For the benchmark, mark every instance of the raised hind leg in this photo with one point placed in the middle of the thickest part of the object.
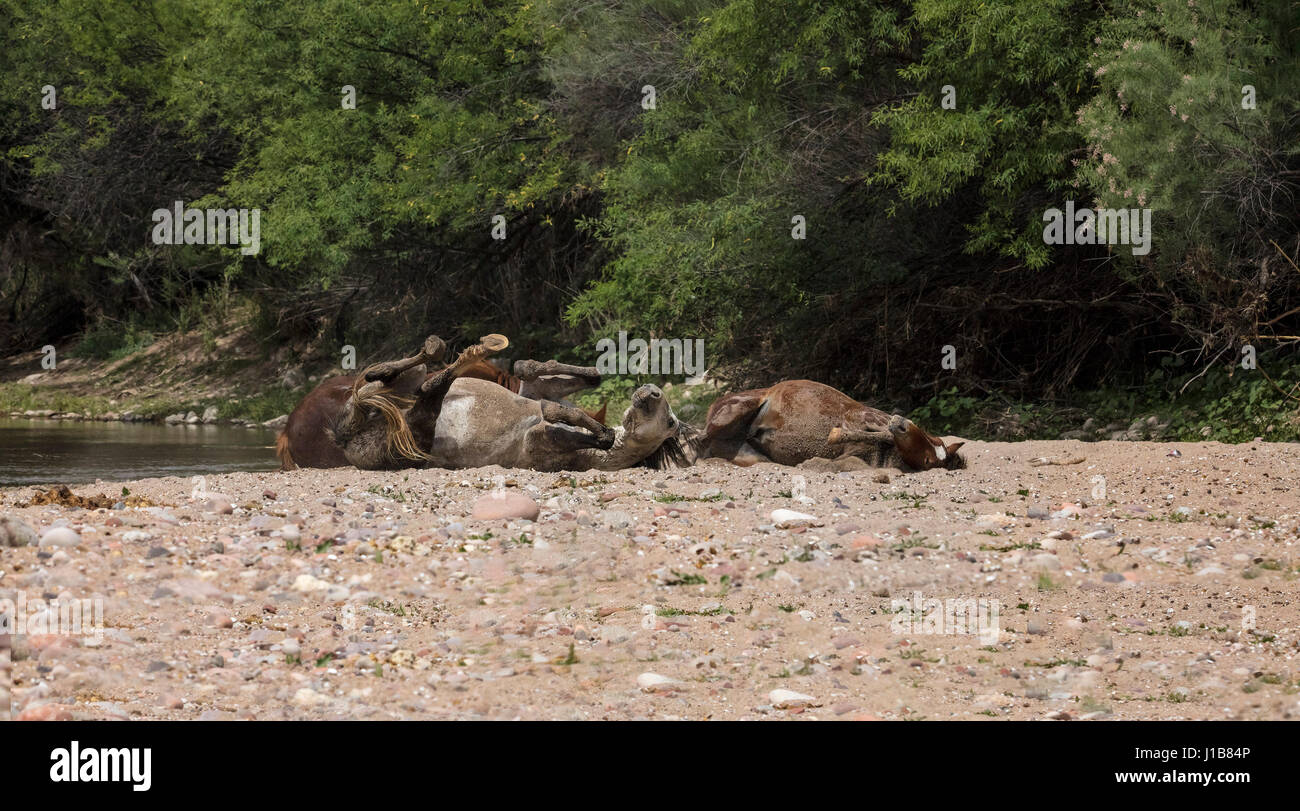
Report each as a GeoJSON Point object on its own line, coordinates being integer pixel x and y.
{"type": "Point", "coordinates": [423, 415]}
{"type": "Point", "coordinates": [729, 422]}
{"type": "Point", "coordinates": [387, 372]}
{"type": "Point", "coordinates": [552, 380]}
{"type": "Point", "coordinates": [532, 369]}
{"type": "Point", "coordinates": [554, 412]}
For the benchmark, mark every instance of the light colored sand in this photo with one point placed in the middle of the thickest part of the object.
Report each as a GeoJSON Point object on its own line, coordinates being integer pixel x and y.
{"type": "Point", "coordinates": [423, 621]}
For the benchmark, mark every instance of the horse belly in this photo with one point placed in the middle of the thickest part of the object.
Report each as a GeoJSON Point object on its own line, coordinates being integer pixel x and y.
{"type": "Point", "coordinates": [798, 437]}
{"type": "Point", "coordinates": [464, 438]}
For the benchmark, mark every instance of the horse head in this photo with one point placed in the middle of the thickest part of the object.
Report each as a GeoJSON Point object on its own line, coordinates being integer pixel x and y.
{"type": "Point", "coordinates": [653, 433]}
{"type": "Point", "coordinates": [921, 450]}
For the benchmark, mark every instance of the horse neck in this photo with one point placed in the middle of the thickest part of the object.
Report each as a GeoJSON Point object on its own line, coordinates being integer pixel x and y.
{"type": "Point", "coordinates": [872, 419]}
{"type": "Point", "coordinates": [620, 455]}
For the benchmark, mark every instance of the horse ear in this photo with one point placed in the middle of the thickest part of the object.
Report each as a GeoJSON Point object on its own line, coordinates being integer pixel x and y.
{"type": "Point", "coordinates": [952, 448]}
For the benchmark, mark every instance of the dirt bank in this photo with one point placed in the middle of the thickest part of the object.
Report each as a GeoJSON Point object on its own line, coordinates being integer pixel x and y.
{"type": "Point", "coordinates": [376, 595]}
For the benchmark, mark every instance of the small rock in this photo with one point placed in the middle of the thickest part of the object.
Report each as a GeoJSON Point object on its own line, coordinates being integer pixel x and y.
{"type": "Point", "coordinates": [789, 699]}
{"type": "Point", "coordinates": [218, 504]}
{"type": "Point", "coordinates": [60, 536]}
{"type": "Point", "coordinates": [45, 712]}
{"type": "Point", "coordinates": [503, 504]}
{"type": "Point", "coordinates": [1046, 562]}
{"type": "Point", "coordinates": [789, 518]}
{"type": "Point", "coordinates": [654, 683]}
{"type": "Point", "coordinates": [310, 585]}
{"type": "Point", "coordinates": [307, 697]}
{"type": "Point", "coordinates": [14, 532]}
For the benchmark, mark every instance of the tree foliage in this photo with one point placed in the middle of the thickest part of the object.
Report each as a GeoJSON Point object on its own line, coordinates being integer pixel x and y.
{"type": "Point", "coordinates": [923, 223]}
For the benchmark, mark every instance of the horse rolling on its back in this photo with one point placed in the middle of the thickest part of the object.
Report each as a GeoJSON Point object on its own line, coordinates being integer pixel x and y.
{"type": "Point", "coordinates": [397, 415]}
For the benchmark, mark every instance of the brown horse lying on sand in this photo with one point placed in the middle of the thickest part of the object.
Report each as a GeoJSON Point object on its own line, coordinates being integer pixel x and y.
{"type": "Point", "coordinates": [388, 416]}
{"type": "Point", "coordinates": [797, 420]}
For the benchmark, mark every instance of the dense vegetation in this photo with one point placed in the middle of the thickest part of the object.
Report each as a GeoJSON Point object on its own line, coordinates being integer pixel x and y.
{"type": "Point", "coordinates": [924, 224]}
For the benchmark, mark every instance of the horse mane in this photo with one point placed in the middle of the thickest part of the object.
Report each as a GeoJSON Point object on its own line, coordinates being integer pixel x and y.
{"type": "Point", "coordinates": [672, 451]}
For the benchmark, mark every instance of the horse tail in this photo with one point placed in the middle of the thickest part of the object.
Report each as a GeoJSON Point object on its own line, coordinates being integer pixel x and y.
{"type": "Point", "coordinates": [282, 452]}
{"type": "Point", "coordinates": [397, 435]}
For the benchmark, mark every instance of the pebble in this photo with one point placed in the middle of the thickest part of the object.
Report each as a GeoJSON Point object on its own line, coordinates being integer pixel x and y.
{"type": "Point", "coordinates": [163, 515]}
{"type": "Point", "coordinates": [1046, 562]}
{"type": "Point", "coordinates": [655, 683]}
{"type": "Point", "coordinates": [784, 519]}
{"type": "Point", "coordinates": [788, 699]}
{"type": "Point", "coordinates": [15, 532]}
{"type": "Point", "coordinates": [995, 520]}
{"type": "Point", "coordinates": [309, 584]}
{"type": "Point", "coordinates": [307, 697]}
{"type": "Point", "coordinates": [220, 619]}
{"type": "Point", "coordinates": [218, 504]}
{"type": "Point", "coordinates": [60, 536]}
{"type": "Point", "coordinates": [505, 505]}
{"type": "Point", "coordinates": [45, 712]}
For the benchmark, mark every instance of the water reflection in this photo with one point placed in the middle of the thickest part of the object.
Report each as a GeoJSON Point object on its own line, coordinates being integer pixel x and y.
{"type": "Point", "coordinates": [59, 452]}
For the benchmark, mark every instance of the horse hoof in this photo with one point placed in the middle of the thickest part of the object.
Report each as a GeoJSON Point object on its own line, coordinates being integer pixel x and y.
{"type": "Point", "coordinates": [494, 342]}
{"type": "Point", "coordinates": [434, 348]}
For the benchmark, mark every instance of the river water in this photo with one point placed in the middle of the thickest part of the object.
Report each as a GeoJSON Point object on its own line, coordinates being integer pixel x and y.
{"type": "Point", "coordinates": [66, 452]}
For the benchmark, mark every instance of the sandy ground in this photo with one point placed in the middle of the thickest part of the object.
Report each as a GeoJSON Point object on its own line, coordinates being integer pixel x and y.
{"type": "Point", "coordinates": [648, 594]}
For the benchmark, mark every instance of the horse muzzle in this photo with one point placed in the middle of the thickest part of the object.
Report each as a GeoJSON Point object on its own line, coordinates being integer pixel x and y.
{"type": "Point", "coordinates": [647, 397]}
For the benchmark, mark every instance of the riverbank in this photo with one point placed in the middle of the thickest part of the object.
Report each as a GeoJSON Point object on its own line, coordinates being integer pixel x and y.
{"type": "Point", "coordinates": [1131, 580]}
{"type": "Point", "coordinates": [183, 377]}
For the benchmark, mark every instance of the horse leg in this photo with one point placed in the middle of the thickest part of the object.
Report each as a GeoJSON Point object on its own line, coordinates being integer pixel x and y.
{"type": "Point", "coordinates": [553, 380]}
{"type": "Point", "coordinates": [841, 435]}
{"type": "Point", "coordinates": [737, 451]}
{"type": "Point", "coordinates": [387, 372]}
{"type": "Point", "coordinates": [877, 448]}
{"type": "Point", "coordinates": [554, 412]}
{"type": "Point", "coordinates": [552, 387]}
{"type": "Point", "coordinates": [729, 423]}
{"type": "Point", "coordinates": [563, 438]}
{"type": "Point", "coordinates": [423, 414]}
{"type": "Point", "coordinates": [532, 369]}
